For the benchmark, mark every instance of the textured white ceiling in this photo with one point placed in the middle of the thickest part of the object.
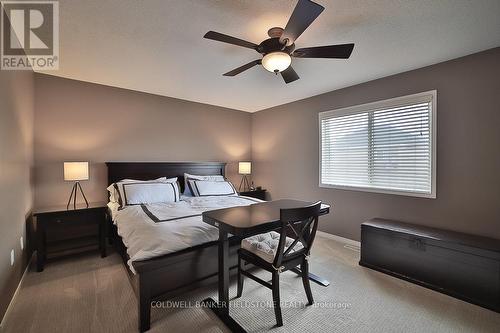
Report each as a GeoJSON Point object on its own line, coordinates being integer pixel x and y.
{"type": "Point", "coordinates": [156, 46]}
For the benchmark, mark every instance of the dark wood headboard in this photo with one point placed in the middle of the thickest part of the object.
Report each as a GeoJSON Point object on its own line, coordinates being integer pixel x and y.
{"type": "Point", "coordinates": [151, 170]}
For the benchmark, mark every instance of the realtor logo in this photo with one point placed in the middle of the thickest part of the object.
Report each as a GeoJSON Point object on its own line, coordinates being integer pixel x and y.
{"type": "Point", "coordinates": [30, 35]}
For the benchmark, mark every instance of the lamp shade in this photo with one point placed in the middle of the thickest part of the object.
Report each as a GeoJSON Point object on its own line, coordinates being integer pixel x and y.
{"type": "Point", "coordinates": [276, 62]}
{"type": "Point", "coordinates": [76, 171]}
{"type": "Point", "coordinates": [245, 168]}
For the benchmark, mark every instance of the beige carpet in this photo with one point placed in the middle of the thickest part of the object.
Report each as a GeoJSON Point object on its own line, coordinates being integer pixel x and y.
{"type": "Point", "coordinates": [90, 294]}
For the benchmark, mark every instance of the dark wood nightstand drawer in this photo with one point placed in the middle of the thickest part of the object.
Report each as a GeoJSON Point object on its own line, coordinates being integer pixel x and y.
{"type": "Point", "coordinates": [69, 219]}
{"type": "Point", "coordinates": [258, 194]}
{"type": "Point", "coordinates": [70, 226]}
{"type": "Point", "coordinates": [72, 218]}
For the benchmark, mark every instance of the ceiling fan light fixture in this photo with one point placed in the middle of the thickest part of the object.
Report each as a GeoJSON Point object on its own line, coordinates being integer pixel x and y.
{"type": "Point", "coordinates": [276, 62]}
{"type": "Point", "coordinates": [277, 51]}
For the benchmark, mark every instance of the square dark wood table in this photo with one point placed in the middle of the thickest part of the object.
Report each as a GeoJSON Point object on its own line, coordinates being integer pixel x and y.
{"type": "Point", "coordinates": [244, 222]}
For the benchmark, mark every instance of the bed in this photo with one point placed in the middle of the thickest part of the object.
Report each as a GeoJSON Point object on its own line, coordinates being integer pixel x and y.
{"type": "Point", "coordinates": [159, 271]}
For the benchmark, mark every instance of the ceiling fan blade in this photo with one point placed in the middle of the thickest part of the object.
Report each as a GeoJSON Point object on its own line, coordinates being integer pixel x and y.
{"type": "Point", "coordinates": [341, 51]}
{"type": "Point", "coordinates": [289, 75]}
{"type": "Point", "coordinates": [228, 39]}
{"type": "Point", "coordinates": [303, 15]}
{"type": "Point", "coordinates": [243, 68]}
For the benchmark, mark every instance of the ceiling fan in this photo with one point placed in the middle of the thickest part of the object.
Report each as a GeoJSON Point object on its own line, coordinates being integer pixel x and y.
{"type": "Point", "coordinates": [278, 50]}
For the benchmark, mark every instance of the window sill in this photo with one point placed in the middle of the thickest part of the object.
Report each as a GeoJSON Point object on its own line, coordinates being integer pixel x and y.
{"type": "Point", "coordinates": [431, 195]}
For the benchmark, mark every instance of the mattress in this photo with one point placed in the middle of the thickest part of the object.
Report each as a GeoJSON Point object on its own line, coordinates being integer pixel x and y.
{"type": "Point", "coordinates": [153, 230]}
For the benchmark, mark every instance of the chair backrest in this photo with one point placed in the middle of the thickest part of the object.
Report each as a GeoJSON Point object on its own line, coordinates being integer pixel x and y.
{"type": "Point", "coordinates": [299, 224]}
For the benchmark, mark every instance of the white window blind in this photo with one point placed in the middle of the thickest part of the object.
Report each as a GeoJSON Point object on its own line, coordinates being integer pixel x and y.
{"type": "Point", "coordinates": [386, 146]}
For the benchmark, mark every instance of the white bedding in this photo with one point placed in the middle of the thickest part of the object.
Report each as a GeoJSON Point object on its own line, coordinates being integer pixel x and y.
{"type": "Point", "coordinates": [170, 227]}
{"type": "Point", "coordinates": [113, 208]}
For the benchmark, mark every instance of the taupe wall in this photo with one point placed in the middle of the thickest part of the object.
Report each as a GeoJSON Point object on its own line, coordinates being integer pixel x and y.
{"type": "Point", "coordinates": [16, 189]}
{"type": "Point", "coordinates": [285, 150]}
{"type": "Point", "coordinates": [84, 121]}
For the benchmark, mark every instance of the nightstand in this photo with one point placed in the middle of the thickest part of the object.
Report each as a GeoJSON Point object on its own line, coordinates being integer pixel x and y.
{"type": "Point", "coordinates": [61, 231]}
{"type": "Point", "coordinates": [258, 194]}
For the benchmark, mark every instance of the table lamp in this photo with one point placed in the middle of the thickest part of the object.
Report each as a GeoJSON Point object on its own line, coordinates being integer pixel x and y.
{"type": "Point", "coordinates": [244, 168]}
{"type": "Point", "coordinates": [76, 171]}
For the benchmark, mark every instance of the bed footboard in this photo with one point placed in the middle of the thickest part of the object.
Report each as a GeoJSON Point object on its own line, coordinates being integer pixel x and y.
{"type": "Point", "coordinates": [169, 276]}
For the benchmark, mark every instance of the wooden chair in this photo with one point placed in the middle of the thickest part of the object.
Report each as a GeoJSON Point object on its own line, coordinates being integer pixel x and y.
{"type": "Point", "coordinates": [281, 250]}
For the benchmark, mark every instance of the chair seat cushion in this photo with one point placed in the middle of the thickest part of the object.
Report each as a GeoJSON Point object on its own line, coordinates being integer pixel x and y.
{"type": "Point", "coordinates": [265, 245]}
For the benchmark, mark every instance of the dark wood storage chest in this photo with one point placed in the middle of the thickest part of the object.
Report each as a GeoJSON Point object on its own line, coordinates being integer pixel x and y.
{"type": "Point", "coordinates": [460, 265]}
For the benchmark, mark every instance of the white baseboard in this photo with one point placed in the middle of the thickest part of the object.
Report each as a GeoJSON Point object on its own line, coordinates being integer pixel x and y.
{"type": "Point", "coordinates": [339, 239]}
{"type": "Point", "coordinates": [15, 293]}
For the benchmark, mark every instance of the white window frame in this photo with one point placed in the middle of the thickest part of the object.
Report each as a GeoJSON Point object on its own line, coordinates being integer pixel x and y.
{"type": "Point", "coordinates": [428, 96]}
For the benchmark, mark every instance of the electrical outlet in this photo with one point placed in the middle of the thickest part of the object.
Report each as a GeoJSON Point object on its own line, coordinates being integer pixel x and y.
{"type": "Point", "coordinates": [21, 241]}
{"type": "Point", "coordinates": [12, 257]}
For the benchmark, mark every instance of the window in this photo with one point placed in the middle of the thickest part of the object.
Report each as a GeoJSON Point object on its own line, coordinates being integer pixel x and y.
{"type": "Point", "coordinates": [387, 146]}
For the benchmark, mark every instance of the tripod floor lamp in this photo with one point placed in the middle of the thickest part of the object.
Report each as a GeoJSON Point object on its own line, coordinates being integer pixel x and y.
{"type": "Point", "coordinates": [244, 168]}
{"type": "Point", "coordinates": [76, 171]}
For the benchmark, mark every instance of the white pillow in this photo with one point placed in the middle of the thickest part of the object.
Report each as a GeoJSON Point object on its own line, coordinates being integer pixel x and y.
{"type": "Point", "coordinates": [114, 195]}
{"type": "Point", "coordinates": [201, 188]}
{"type": "Point", "coordinates": [119, 194]}
{"type": "Point", "coordinates": [187, 191]}
{"type": "Point", "coordinates": [150, 192]}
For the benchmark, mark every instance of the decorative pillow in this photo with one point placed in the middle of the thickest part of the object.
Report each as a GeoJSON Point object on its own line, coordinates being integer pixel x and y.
{"type": "Point", "coordinates": [150, 192]}
{"type": "Point", "coordinates": [202, 188]}
{"type": "Point", "coordinates": [114, 195]}
{"type": "Point", "coordinates": [119, 187]}
{"type": "Point", "coordinates": [187, 176]}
